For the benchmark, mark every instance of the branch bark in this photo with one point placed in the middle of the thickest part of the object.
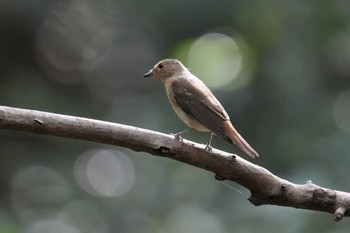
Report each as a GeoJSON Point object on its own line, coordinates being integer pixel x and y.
{"type": "Point", "coordinates": [265, 187]}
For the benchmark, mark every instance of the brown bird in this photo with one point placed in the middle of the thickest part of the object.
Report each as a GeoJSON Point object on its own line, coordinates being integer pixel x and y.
{"type": "Point", "coordinates": [195, 104]}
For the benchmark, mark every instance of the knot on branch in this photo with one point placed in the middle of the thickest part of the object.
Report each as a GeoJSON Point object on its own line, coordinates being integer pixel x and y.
{"type": "Point", "coordinates": [163, 151]}
{"type": "Point", "coordinates": [323, 197]}
{"type": "Point", "coordinates": [269, 196]}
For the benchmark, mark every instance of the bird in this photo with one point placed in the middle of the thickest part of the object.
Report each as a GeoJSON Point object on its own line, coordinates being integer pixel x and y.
{"type": "Point", "coordinates": [195, 104]}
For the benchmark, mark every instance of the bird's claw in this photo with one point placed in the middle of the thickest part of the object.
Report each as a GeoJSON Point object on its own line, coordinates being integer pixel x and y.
{"type": "Point", "coordinates": [208, 148]}
{"type": "Point", "coordinates": [177, 136]}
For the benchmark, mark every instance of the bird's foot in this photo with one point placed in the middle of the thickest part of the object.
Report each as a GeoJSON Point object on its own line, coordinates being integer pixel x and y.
{"type": "Point", "coordinates": [208, 148]}
{"type": "Point", "coordinates": [177, 136]}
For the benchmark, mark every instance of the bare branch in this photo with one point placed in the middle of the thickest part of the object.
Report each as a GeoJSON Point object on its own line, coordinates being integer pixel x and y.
{"type": "Point", "coordinates": [265, 187]}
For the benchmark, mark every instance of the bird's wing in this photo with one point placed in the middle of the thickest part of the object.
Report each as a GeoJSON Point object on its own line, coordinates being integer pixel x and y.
{"type": "Point", "coordinates": [196, 99]}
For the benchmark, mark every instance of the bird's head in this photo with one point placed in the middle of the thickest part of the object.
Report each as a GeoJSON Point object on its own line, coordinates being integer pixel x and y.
{"type": "Point", "coordinates": [166, 68]}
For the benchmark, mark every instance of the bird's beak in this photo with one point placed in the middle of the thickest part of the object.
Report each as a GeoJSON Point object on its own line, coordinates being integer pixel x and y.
{"type": "Point", "coordinates": [147, 75]}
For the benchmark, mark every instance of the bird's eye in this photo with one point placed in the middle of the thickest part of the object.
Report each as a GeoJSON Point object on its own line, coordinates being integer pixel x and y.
{"type": "Point", "coordinates": [160, 66]}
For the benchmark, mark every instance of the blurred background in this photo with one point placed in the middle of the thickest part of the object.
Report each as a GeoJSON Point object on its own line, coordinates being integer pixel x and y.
{"type": "Point", "coordinates": [280, 68]}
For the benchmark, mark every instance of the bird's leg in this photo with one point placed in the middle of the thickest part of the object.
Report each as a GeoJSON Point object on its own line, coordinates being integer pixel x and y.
{"type": "Point", "coordinates": [178, 135]}
{"type": "Point", "coordinates": [208, 146]}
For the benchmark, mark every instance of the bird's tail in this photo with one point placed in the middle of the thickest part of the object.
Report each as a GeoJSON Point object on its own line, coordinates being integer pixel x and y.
{"type": "Point", "coordinates": [238, 140]}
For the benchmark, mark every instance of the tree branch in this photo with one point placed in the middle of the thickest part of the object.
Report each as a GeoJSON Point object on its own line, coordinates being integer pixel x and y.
{"type": "Point", "coordinates": [265, 187]}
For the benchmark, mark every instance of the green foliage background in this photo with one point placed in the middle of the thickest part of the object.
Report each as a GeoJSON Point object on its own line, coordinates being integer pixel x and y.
{"type": "Point", "coordinates": [86, 58]}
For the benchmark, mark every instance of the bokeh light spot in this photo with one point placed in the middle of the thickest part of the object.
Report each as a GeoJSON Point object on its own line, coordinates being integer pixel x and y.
{"type": "Point", "coordinates": [66, 48]}
{"type": "Point", "coordinates": [342, 111]}
{"type": "Point", "coordinates": [52, 226]}
{"type": "Point", "coordinates": [35, 190]}
{"type": "Point", "coordinates": [104, 173]}
{"type": "Point", "coordinates": [192, 219]}
{"type": "Point", "coordinates": [86, 215]}
{"type": "Point", "coordinates": [215, 58]}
